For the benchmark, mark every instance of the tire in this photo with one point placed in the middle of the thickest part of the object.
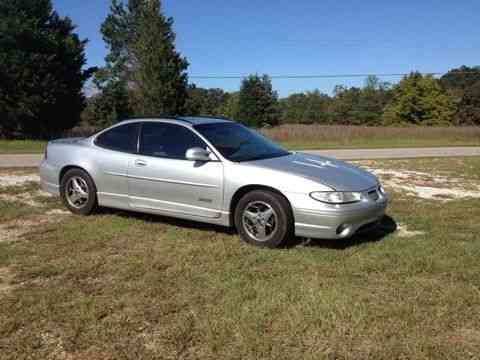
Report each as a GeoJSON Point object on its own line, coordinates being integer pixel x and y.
{"type": "Point", "coordinates": [255, 224]}
{"type": "Point", "coordinates": [86, 204]}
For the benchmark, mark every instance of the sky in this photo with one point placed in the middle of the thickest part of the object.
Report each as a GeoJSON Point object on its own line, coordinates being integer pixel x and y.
{"type": "Point", "coordinates": [305, 37]}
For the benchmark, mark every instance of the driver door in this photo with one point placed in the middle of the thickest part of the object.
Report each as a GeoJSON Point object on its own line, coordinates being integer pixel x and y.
{"type": "Point", "coordinates": [162, 180]}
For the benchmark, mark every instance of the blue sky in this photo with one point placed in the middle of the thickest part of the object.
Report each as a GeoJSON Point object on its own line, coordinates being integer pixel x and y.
{"type": "Point", "coordinates": [305, 37]}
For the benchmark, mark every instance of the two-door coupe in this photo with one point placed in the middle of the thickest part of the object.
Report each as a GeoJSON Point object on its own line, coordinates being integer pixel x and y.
{"type": "Point", "coordinates": [215, 171]}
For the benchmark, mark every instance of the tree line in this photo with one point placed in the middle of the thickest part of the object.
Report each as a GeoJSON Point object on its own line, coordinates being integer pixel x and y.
{"type": "Point", "coordinates": [43, 76]}
{"type": "Point", "coordinates": [453, 99]}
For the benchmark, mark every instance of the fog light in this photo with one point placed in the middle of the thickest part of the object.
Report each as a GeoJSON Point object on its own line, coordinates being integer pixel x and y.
{"type": "Point", "coordinates": [342, 228]}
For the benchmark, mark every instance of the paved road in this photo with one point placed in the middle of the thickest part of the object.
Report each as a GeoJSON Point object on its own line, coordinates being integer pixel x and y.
{"type": "Point", "coordinates": [32, 160]}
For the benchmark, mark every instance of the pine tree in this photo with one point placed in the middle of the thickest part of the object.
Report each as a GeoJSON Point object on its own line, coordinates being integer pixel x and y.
{"type": "Point", "coordinates": [41, 75]}
{"type": "Point", "coordinates": [143, 57]}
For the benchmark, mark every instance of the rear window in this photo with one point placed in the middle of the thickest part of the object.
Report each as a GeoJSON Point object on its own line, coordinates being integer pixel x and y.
{"type": "Point", "coordinates": [121, 138]}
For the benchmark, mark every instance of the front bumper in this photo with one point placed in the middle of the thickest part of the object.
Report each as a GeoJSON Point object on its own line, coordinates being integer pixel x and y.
{"type": "Point", "coordinates": [323, 221]}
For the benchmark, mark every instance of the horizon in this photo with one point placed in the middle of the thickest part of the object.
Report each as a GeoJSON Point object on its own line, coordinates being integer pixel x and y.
{"type": "Point", "coordinates": [334, 39]}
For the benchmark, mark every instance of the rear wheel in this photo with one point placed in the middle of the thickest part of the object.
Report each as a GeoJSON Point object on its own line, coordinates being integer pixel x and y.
{"type": "Point", "coordinates": [264, 218]}
{"type": "Point", "coordinates": [78, 192]}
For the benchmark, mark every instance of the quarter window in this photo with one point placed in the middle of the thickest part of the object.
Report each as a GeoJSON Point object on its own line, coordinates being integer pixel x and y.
{"type": "Point", "coordinates": [121, 138]}
{"type": "Point", "coordinates": [167, 140]}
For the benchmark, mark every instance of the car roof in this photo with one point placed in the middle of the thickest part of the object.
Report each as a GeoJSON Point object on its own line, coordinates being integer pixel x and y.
{"type": "Point", "coordinates": [197, 120]}
{"type": "Point", "coordinates": [192, 120]}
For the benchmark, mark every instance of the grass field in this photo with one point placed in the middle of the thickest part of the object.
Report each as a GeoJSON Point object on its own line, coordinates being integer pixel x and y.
{"type": "Point", "coordinates": [118, 285]}
{"type": "Point", "coordinates": [298, 137]}
{"type": "Point", "coordinates": [21, 146]}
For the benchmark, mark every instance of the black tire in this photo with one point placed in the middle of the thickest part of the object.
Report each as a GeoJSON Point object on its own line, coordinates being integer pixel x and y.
{"type": "Point", "coordinates": [90, 204]}
{"type": "Point", "coordinates": [283, 232]}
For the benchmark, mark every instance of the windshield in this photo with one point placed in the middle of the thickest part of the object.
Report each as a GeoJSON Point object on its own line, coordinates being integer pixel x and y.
{"type": "Point", "coordinates": [239, 143]}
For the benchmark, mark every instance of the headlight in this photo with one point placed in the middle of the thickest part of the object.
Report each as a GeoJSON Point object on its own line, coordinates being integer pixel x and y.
{"type": "Point", "coordinates": [382, 190]}
{"type": "Point", "coordinates": [334, 197]}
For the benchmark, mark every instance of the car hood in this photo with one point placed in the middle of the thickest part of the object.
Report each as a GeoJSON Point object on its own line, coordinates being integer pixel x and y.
{"type": "Point", "coordinates": [334, 173]}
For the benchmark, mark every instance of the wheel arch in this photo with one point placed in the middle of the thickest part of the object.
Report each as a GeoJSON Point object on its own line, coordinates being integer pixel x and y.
{"type": "Point", "coordinates": [66, 168]}
{"type": "Point", "coordinates": [249, 188]}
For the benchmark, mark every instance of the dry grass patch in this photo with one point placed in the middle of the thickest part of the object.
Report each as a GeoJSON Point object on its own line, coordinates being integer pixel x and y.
{"type": "Point", "coordinates": [8, 179]}
{"type": "Point", "coordinates": [6, 279]}
{"type": "Point", "coordinates": [26, 198]}
{"type": "Point", "coordinates": [16, 229]}
{"type": "Point", "coordinates": [296, 136]}
{"type": "Point", "coordinates": [340, 136]}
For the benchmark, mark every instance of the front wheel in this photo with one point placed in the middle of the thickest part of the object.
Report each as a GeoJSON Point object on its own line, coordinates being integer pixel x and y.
{"type": "Point", "coordinates": [264, 218]}
{"type": "Point", "coordinates": [78, 192]}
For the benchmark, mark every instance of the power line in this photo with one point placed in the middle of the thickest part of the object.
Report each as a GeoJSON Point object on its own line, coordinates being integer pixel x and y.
{"type": "Point", "coordinates": [325, 76]}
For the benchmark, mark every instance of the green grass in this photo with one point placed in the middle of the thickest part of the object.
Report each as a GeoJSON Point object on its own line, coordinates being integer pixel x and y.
{"type": "Point", "coordinates": [121, 285]}
{"type": "Point", "coordinates": [21, 146]}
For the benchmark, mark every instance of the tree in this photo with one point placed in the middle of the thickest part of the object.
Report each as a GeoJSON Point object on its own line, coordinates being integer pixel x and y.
{"type": "Point", "coordinates": [202, 101]}
{"type": "Point", "coordinates": [374, 97]}
{"type": "Point", "coordinates": [419, 100]}
{"type": "Point", "coordinates": [361, 106]}
{"type": "Point", "coordinates": [306, 108]}
{"type": "Point", "coordinates": [345, 105]}
{"type": "Point", "coordinates": [462, 84]}
{"type": "Point", "coordinates": [143, 57]}
{"type": "Point", "coordinates": [107, 107]}
{"type": "Point", "coordinates": [41, 70]}
{"type": "Point", "coordinates": [229, 108]}
{"type": "Point", "coordinates": [469, 108]}
{"type": "Point", "coordinates": [257, 102]}
{"type": "Point", "coordinates": [457, 81]}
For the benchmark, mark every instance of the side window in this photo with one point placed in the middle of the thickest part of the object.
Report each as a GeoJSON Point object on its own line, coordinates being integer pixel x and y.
{"type": "Point", "coordinates": [121, 138]}
{"type": "Point", "coordinates": [167, 140]}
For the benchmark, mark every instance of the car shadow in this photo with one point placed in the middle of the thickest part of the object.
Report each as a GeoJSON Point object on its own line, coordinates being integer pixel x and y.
{"type": "Point", "coordinates": [386, 226]}
{"type": "Point", "coordinates": [371, 234]}
{"type": "Point", "coordinates": [161, 219]}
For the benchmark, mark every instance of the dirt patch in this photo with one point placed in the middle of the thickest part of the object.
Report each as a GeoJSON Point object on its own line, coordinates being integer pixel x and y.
{"type": "Point", "coordinates": [441, 194]}
{"type": "Point", "coordinates": [402, 231]}
{"type": "Point", "coordinates": [467, 336]}
{"type": "Point", "coordinates": [54, 347]}
{"type": "Point", "coordinates": [26, 198]}
{"type": "Point", "coordinates": [426, 186]}
{"type": "Point", "coordinates": [12, 231]}
{"type": "Point", "coordinates": [6, 278]}
{"type": "Point", "coordinates": [15, 230]}
{"type": "Point", "coordinates": [58, 212]}
{"type": "Point", "coordinates": [17, 180]}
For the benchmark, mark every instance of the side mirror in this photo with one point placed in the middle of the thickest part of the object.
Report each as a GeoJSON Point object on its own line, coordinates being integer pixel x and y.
{"type": "Point", "coordinates": [197, 154]}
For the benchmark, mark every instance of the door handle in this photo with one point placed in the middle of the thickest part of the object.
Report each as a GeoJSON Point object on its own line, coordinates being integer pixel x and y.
{"type": "Point", "coordinates": [140, 163]}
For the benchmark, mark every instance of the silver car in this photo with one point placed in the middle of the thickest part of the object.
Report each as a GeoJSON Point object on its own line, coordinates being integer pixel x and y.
{"type": "Point", "coordinates": [215, 171]}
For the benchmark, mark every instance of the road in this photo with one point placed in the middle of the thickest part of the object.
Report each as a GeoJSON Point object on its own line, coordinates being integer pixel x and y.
{"type": "Point", "coordinates": [32, 160]}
